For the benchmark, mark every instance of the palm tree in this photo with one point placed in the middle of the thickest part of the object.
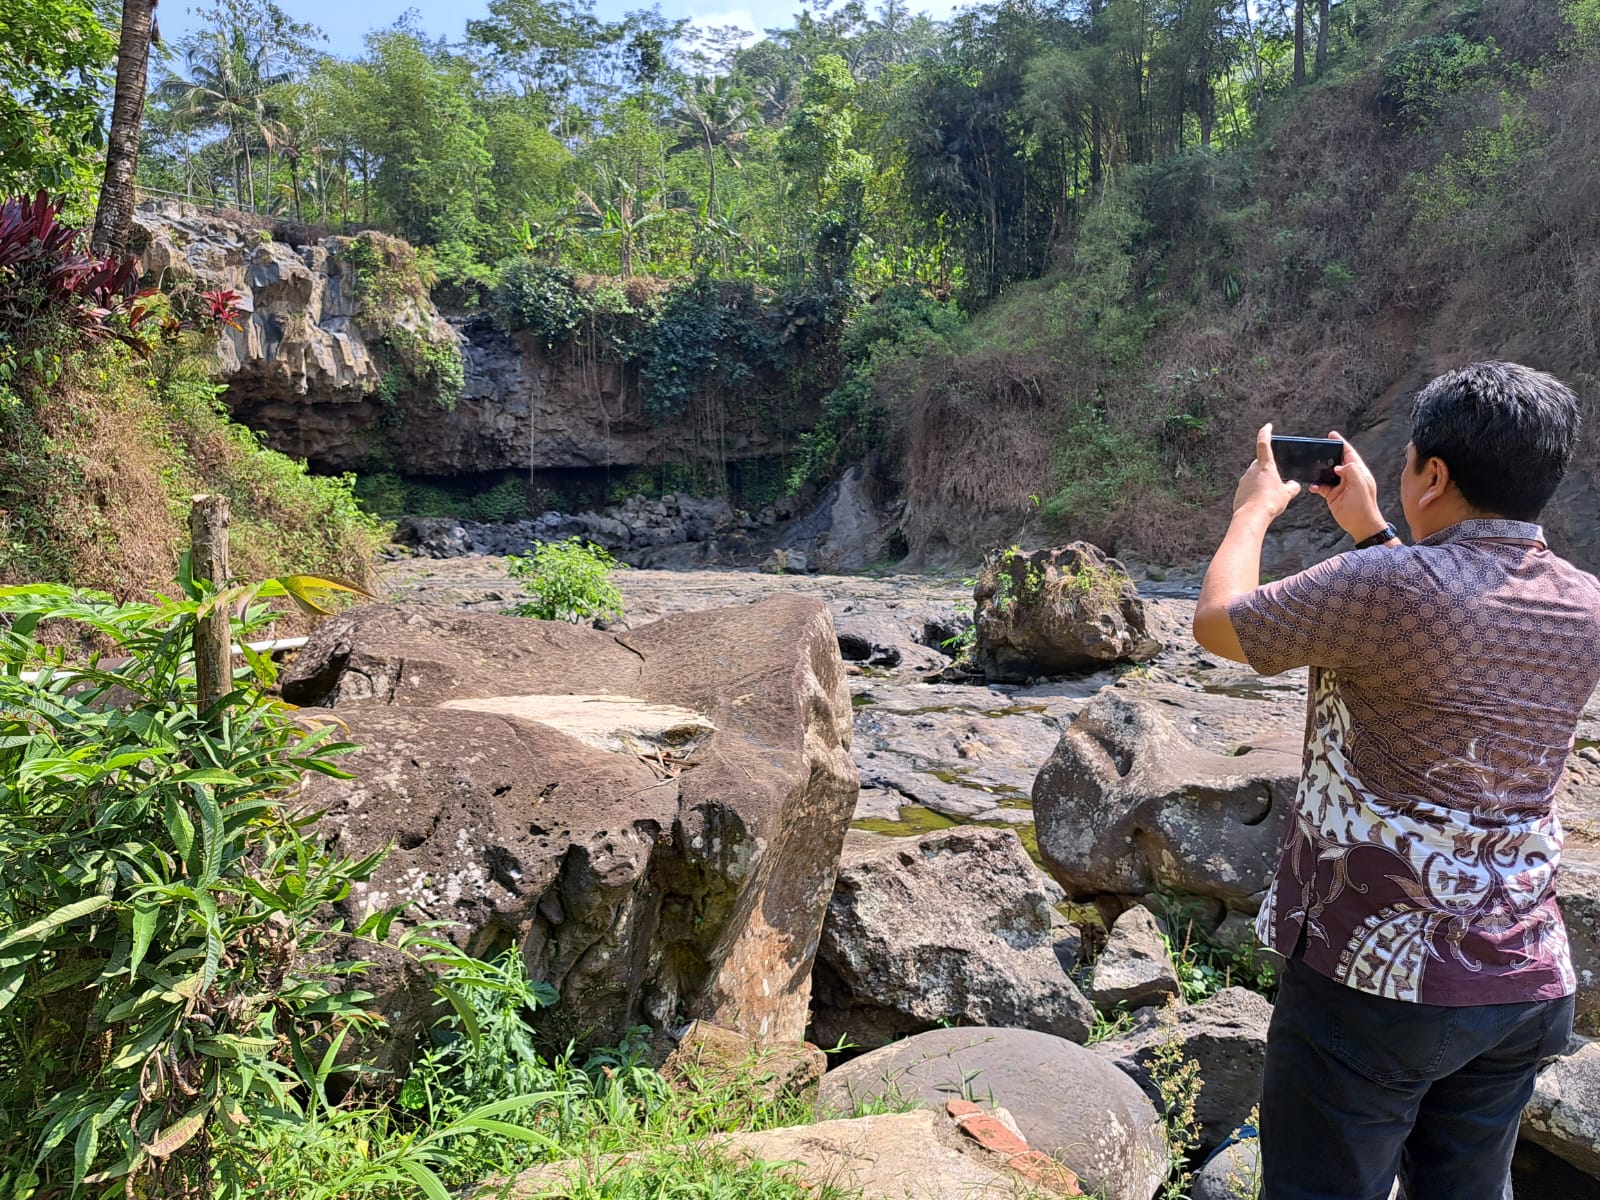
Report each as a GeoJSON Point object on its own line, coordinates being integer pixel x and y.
{"type": "Point", "coordinates": [114, 214]}
{"type": "Point", "coordinates": [616, 208]}
{"type": "Point", "coordinates": [229, 84]}
{"type": "Point", "coordinates": [288, 137]}
{"type": "Point", "coordinates": [714, 114]}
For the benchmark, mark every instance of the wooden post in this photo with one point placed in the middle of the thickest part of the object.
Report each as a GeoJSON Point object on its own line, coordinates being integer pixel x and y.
{"type": "Point", "coordinates": [213, 635]}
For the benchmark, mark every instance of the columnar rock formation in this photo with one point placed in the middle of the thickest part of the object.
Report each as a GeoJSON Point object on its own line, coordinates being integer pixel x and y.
{"type": "Point", "coordinates": [314, 365]}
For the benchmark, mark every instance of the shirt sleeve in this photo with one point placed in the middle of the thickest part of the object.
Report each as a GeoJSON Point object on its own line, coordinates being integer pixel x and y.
{"type": "Point", "coordinates": [1330, 615]}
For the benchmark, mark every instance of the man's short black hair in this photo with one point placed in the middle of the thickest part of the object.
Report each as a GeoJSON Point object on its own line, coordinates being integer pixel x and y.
{"type": "Point", "coordinates": [1505, 431]}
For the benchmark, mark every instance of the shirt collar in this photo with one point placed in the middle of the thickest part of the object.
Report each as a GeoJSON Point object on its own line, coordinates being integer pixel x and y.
{"type": "Point", "coordinates": [1461, 531]}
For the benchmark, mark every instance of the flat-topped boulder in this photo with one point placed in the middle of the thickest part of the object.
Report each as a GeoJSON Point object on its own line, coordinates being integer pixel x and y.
{"type": "Point", "coordinates": [621, 724]}
{"type": "Point", "coordinates": [1067, 1101]}
{"type": "Point", "coordinates": [653, 818]}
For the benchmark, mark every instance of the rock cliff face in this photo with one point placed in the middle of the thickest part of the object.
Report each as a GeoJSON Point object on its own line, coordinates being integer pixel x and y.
{"type": "Point", "coordinates": [305, 338]}
{"type": "Point", "coordinates": [326, 368]}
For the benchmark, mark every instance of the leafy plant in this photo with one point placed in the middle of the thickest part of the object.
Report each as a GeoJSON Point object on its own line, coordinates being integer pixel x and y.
{"type": "Point", "coordinates": [54, 295]}
{"type": "Point", "coordinates": [1457, 194]}
{"type": "Point", "coordinates": [1418, 75]}
{"type": "Point", "coordinates": [1204, 967]}
{"type": "Point", "coordinates": [704, 334]}
{"type": "Point", "coordinates": [568, 581]}
{"type": "Point", "coordinates": [437, 368]}
{"type": "Point", "coordinates": [540, 298]}
{"type": "Point", "coordinates": [162, 900]}
{"type": "Point", "coordinates": [1178, 1083]}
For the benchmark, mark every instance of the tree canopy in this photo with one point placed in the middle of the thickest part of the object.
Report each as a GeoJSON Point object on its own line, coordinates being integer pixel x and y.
{"type": "Point", "coordinates": [855, 144]}
{"type": "Point", "coordinates": [863, 144]}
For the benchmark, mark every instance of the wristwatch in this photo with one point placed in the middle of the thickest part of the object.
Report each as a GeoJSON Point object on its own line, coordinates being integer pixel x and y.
{"type": "Point", "coordinates": [1387, 534]}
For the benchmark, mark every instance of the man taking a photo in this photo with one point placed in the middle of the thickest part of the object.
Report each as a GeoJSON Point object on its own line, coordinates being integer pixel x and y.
{"type": "Point", "coordinates": [1428, 966]}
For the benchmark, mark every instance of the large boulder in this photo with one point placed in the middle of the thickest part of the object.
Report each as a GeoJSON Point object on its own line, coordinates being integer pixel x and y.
{"type": "Point", "coordinates": [1128, 805]}
{"type": "Point", "coordinates": [653, 818]}
{"type": "Point", "coordinates": [1055, 611]}
{"type": "Point", "coordinates": [1563, 1114]}
{"type": "Point", "coordinates": [1067, 1101]}
{"type": "Point", "coordinates": [1226, 1035]}
{"type": "Point", "coordinates": [890, 1156]}
{"type": "Point", "coordinates": [954, 927]}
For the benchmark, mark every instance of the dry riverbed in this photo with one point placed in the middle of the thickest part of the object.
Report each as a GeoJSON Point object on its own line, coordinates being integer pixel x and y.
{"type": "Point", "coordinates": [931, 752]}
{"type": "Point", "coordinates": [934, 753]}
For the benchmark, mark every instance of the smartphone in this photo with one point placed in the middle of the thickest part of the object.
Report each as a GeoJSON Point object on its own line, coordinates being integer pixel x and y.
{"type": "Point", "coordinates": [1308, 460]}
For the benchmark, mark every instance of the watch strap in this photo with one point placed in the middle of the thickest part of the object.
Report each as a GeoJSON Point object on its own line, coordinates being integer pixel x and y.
{"type": "Point", "coordinates": [1387, 534]}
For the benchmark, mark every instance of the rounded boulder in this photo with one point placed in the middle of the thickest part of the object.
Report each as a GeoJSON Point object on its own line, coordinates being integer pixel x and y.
{"type": "Point", "coordinates": [1067, 1101]}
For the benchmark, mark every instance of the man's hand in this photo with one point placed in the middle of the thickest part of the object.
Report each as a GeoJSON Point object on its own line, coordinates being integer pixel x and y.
{"type": "Point", "coordinates": [1261, 489]}
{"type": "Point", "coordinates": [1235, 569]}
{"type": "Point", "coordinates": [1353, 501]}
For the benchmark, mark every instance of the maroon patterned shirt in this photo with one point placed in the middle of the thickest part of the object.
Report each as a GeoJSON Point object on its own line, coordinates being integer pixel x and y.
{"type": "Point", "coordinates": [1446, 683]}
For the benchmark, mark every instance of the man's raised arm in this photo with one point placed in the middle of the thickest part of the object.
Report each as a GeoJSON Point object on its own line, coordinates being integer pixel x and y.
{"type": "Point", "coordinates": [1235, 569]}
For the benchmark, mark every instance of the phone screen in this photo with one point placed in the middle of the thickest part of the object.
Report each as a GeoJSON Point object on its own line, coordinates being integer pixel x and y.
{"type": "Point", "coordinates": [1308, 460]}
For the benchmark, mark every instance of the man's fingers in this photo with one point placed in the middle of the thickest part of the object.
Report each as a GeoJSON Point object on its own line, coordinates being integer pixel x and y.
{"type": "Point", "coordinates": [1294, 488]}
{"type": "Point", "coordinates": [1264, 447]}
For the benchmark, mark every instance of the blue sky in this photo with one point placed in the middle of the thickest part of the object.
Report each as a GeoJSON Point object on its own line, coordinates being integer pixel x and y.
{"type": "Point", "coordinates": [345, 23]}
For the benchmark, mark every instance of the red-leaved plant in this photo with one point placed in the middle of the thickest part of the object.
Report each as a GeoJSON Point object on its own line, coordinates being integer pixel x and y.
{"type": "Point", "coordinates": [223, 306]}
{"type": "Point", "coordinates": [50, 285]}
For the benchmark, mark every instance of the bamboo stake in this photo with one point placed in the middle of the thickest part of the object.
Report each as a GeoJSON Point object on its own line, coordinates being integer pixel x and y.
{"type": "Point", "coordinates": [213, 642]}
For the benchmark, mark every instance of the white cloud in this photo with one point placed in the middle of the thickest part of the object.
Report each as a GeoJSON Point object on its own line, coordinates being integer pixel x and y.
{"type": "Point", "coordinates": [729, 16]}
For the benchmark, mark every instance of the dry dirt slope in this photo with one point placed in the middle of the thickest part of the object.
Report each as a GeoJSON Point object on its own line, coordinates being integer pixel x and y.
{"type": "Point", "coordinates": [1316, 279]}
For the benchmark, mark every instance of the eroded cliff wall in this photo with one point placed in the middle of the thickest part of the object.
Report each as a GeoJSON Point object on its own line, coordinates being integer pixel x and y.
{"type": "Point", "coordinates": [340, 358]}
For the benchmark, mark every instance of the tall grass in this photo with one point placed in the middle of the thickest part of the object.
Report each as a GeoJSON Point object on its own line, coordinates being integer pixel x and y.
{"type": "Point", "coordinates": [97, 468]}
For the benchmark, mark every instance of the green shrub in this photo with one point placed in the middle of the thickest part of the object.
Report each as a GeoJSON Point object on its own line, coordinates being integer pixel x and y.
{"type": "Point", "coordinates": [162, 901]}
{"type": "Point", "coordinates": [387, 274]}
{"type": "Point", "coordinates": [568, 581]}
{"type": "Point", "coordinates": [1584, 18]}
{"type": "Point", "coordinates": [539, 298]}
{"type": "Point", "coordinates": [901, 326]}
{"type": "Point", "coordinates": [437, 368]}
{"type": "Point", "coordinates": [1466, 190]}
{"type": "Point", "coordinates": [1102, 469]}
{"type": "Point", "coordinates": [381, 492]}
{"type": "Point", "coordinates": [702, 337]}
{"type": "Point", "coordinates": [505, 501]}
{"type": "Point", "coordinates": [1419, 75]}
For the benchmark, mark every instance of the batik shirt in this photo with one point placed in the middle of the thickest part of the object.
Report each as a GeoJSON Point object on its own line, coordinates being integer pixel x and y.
{"type": "Point", "coordinates": [1445, 686]}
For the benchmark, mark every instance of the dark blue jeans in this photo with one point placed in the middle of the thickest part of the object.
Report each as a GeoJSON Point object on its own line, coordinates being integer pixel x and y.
{"type": "Point", "coordinates": [1359, 1088]}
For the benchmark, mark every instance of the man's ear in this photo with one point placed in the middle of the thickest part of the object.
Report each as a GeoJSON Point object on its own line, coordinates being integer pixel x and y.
{"type": "Point", "coordinates": [1435, 482]}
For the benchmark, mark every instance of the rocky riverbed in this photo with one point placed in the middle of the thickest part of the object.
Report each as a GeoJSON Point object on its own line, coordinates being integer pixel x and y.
{"type": "Point", "coordinates": [933, 751]}
{"type": "Point", "coordinates": [1176, 779]}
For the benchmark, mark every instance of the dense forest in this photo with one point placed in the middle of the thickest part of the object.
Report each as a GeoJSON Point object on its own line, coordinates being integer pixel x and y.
{"type": "Point", "coordinates": [1042, 261]}
{"type": "Point", "coordinates": [854, 147]}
